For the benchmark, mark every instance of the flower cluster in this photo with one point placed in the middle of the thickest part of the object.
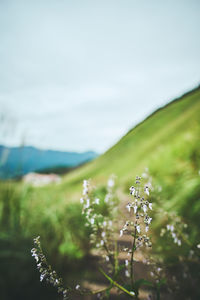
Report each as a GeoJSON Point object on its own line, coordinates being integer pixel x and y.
{"type": "Point", "coordinates": [140, 221]}
{"type": "Point", "coordinates": [175, 228]}
{"type": "Point", "coordinates": [46, 272]}
{"type": "Point", "coordinates": [170, 228]}
{"type": "Point", "coordinates": [102, 226]}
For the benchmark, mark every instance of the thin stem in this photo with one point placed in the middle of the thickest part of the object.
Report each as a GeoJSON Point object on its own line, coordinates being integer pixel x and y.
{"type": "Point", "coordinates": [116, 284]}
{"type": "Point", "coordinates": [132, 254]}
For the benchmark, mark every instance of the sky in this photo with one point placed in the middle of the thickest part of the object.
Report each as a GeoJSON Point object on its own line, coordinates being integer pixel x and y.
{"type": "Point", "coordinates": [76, 75]}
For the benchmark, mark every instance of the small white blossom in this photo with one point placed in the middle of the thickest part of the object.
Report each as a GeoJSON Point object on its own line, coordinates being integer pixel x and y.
{"type": "Point", "coordinates": [147, 228]}
{"type": "Point", "coordinates": [138, 228]}
{"type": "Point", "coordinates": [149, 220]}
{"type": "Point", "coordinates": [174, 235]}
{"type": "Point", "coordinates": [132, 293]}
{"type": "Point", "coordinates": [87, 203]}
{"type": "Point", "coordinates": [146, 190]}
{"type": "Point", "coordinates": [198, 246]}
{"type": "Point", "coordinates": [85, 183]}
{"type": "Point", "coordinates": [81, 200]}
{"type": "Point", "coordinates": [110, 223]}
{"type": "Point", "coordinates": [96, 201]}
{"type": "Point", "coordinates": [107, 198]}
{"type": "Point", "coordinates": [102, 242]}
{"type": "Point", "coordinates": [42, 277]}
{"type": "Point", "coordinates": [85, 191]}
{"type": "Point", "coordinates": [107, 258]}
{"type": "Point", "coordinates": [103, 234]}
{"type": "Point", "coordinates": [127, 273]}
{"type": "Point", "coordinates": [150, 206]}
{"type": "Point", "coordinates": [77, 287]}
{"type": "Point", "coordinates": [179, 242]}
{"type": "Point", "coordinates": [128, 207]}
{"type": "Point", "coordinates": [144, 208]}
{"type": "Point", "coordinates": [126, 262]}
{"type": "Point", "coordinates": [132, 190]}
{"type": "Point", "coordinates": [111, 182]}
{"type": "Point", "coordinates": [92, 221]}
{"type": "Point", "coordinates": [159, 269]}
{"type": "Point", "coordinates": [121, 233]}
{"type": "Point", "coordinates": [135, 208]}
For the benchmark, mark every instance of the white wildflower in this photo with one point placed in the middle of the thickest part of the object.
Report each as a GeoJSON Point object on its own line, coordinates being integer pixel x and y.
{"type": "Point", "coordinates": [85, 191]}
{"type": "Point", "coordinates": [96, 201]}
{"type": "Point", "coordinates": [103, 234]}
{"type": "Point", "coordinates": [173, 235]}
{"type": "Point", "coordinates": [127, 273]}
{"type": "Point", "coordinates": [121, 233]}
{"type": "Point", "coordinates": [104, 223]}
{"type": "Point", "coordinates": [107, 197]}
{"type": "Point", "coordinates": [144, 208]}
{"type": "Point", "coordinates": [179, 242]}
{"type": "Point", "coordinates": [132, 190]}
{"type": "Point", "coordinates": [110, 223]}
{"type": "Point", "coordinates": [42, 277]}
{"type": "Point", "coordinates": [135, 208]}
{"type": "Point", "coordinates": [159, 269]}
{"type": "Point", "coordinates": [146, 190]}
{"type": "Point", "coordinates": [138, 228]}
{"type": "Point", "coordinates": [77, 287]}
{"type": "Point", "coordinates": [111, 183]}
{"type": "Point", "coordinates": [128, 206]}
{"type": "Point", "coordinates": [126, 262]}
{"type": "Point", "coordinates": [87, 203]}
{"type": "Point", "coordinates": [150, 206]}
{"type": "Point", "coordinates": [149, 220]}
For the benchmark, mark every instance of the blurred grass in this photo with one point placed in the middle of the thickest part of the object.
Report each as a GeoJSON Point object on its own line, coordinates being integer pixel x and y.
{"type": "Point", "coordinates": [167, 142]}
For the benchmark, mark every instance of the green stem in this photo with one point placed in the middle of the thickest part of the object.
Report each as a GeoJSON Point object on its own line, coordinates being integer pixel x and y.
{"type": "Point", "coordinates": [158, 294]}
{"type": "Point", "coordinates": [132, 254]}
{"type": "Point", "coordinates": [116, 284]}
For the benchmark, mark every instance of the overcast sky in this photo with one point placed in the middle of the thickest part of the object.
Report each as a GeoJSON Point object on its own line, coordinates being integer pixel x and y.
{"type": "Point", "coordinates": [77, 75]}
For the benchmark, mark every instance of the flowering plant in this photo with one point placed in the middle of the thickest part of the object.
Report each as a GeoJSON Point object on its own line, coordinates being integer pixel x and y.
{"type": "Point", "coordinates": [120, 274]}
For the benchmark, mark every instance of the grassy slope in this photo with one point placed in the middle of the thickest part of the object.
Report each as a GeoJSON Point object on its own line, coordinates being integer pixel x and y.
{"type": "Point", "coordinates": [167, 142]}
{"type": "Point", "coordinates": [177, 122]}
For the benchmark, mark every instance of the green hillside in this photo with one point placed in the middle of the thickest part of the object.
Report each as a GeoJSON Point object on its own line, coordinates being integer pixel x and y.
{"type": "Point", "coordinates": [167, 142]}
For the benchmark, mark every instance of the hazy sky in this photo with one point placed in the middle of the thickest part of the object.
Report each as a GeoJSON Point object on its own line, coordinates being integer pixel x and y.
{"type": "Point", "coordinates": [76, 75]}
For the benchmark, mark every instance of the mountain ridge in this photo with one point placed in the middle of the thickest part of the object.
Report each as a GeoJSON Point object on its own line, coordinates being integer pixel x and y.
{"type": "Point", "coordinates": [18, 161]}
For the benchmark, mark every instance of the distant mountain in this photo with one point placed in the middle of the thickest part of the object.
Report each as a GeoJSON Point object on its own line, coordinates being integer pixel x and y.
{"type": "Point", "coordinates": [18, 161]}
